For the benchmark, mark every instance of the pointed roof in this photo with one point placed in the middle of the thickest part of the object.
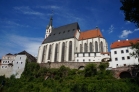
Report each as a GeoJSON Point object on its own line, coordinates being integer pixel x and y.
{"type": "Point", "coordinates": [50, 23]}
{"type": "Point", "coordinates": [123, 43]}
{"type": "Point", "coordinates": [90, 34]}
{"type": "Point", "coordinates": [62, 32]}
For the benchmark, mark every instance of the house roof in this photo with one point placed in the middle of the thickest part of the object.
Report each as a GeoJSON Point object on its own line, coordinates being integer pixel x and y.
{"type": "Point", "coordinates": [63, 32]}
{"type": "Point", "coordinates": [90, 34]}
{"type": "Point", "coordinates": [29, 56]}
{"type": "Point", "coordinates": [123, 43]}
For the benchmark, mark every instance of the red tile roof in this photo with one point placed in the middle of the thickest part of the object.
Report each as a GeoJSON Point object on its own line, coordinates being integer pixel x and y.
{"type": "Point", "coordinates": [123, 43]}
{"type": "Point", "coordinates": [90, 34]}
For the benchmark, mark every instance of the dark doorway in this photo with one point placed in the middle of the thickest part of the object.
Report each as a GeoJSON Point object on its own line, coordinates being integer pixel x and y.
{"type": "Point", "coordinates": [125, 74]}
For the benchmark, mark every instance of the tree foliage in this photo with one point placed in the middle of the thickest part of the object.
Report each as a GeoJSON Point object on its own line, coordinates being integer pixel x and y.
{"type": "Point", "coordinates": [135, 48]}
{"type": "Point", "coordinates": [131, 10]}
{"type": "Point", "coordinates": [63, 79]}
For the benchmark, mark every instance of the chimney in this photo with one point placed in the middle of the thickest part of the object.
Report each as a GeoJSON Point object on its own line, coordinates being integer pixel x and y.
{"type": "Point", "coordinates": [118, 40]}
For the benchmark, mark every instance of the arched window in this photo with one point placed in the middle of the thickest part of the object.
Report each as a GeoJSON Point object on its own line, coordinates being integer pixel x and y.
{"type": "Point", "coordinates": [85, 47]}
{"type": "Point", "coordinates": [49, 54]}
{"type": "Point", "coordinates": [56, 53]}
{"type": "Point", "coordinates": [44, 53]}
{"type": "Point", "coordinates": [96, 46]}
{"type": "Point", "coordinates": [63, 52]}
{"type": "Point", "coordinates": [70, 50]}
{"type": "Point", "coordinates": [101, 44]}
{"type": "Point", "coordinates": [80, 47]}
{"type": "Point", "coordinates": [91, 50]}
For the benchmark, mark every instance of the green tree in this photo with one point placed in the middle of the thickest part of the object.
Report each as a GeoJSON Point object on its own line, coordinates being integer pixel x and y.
{"type": "Point", "coordinates": [135, 48]}
{"type": "Point", "coordinates": [90, 70]}
{"type": "Point", "coordinates": [131, 10]}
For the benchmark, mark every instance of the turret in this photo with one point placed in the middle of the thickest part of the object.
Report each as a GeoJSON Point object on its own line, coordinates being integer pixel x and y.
{"type": "Point", "coordinates": [49, 28]}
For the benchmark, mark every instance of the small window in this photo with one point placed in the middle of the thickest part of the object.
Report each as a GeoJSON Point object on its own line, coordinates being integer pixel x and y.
{"type": "Point", "coordinates": [123, 58]}
{"type": "Point", "coordinates": [54, 34]}
{"type": "Point", "coordinates": [116, 64]}
{"type": "Point", "coordinates": [77, 60]}
{"type": "Point", "coordinates": [116, 59]}
{"type": "Point", "coordinates": [122, 51]}
{"type": "Point", "coordinates": [59, 32]}
{"type": "Point", "coordinates": [49, 35]}
{"type": "Point", "coordinates": [17, 62]}
{"type": "Point", "coordinates": [20, 57]}
{"type": "Point", "coordinates": [73, 29]}
{"type": "Point", "coordinates": [8, 61]}
{"type": "Point", "coordinates": [128, 57]}
{"type": "Point", "coordinates": [64, 32]}
{"type": "Point", "coordinates": [5, 66]}
{"type": "Point", "coordinates": [2, 66]}
{"type": "Point", "coordinates": [89, 59]}
{"type": "Point", "coordinates": [83, 60]}
{"type": "Point", "coordinates": [21, 62]}
{"type": "Point", "coordinates": [127, 51]}
{"type": "Point", "coordinates": [115, 52]}
{"type": "Point", "coordinates": [3, 61]}
{"type": "Point", "coordinates": [77, 55]}
{"type": "Point", "coordinates": [68, 30]}
{"type": "Point", "coordinates": [124, 64]}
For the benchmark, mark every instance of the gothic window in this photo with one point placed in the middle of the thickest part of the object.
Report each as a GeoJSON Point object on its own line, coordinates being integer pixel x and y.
{"type": "Point", "coordinates": [44, 54]}
{"type": "Point", "coordinates": [70, 50]}
{"type": "Point", "coordinates": [85, 47]}
{"type": "Point", "coordinates": [91, 47]}
{"type": "Point", "coordinates": [63, 52]}
{"type": "Point", "coordinates": [80, 47]}
{"type": "Point", "coordinates": [96, 46]}
{"type": "Point", "coordinates": [56, 52]}
{"type": "Point", "coordinates": [101, 45]}
{"type": "Point", "coordinates": [49, 54]}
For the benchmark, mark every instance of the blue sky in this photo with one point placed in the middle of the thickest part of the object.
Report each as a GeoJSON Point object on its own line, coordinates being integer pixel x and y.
{"type": "Point", "coordinates": [23, 22]}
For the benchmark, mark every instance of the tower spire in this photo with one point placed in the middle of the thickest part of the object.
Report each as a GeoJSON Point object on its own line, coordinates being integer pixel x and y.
{"type": "Point", "coordinates": [51, 19]}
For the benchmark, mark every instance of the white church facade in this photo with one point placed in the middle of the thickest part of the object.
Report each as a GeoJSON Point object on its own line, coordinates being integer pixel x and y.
{"type": "Point", "coordinates": [68, 44]}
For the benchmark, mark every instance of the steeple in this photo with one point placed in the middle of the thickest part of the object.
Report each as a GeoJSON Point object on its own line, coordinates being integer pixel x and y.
{"type": "Point", "coordinates": [49, 28]}
{"type": "Point", "coordinates": [50, 23]}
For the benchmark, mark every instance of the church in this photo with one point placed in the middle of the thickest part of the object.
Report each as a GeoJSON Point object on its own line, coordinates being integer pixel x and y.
{"type": "Point", "coordinates": [68, 43]}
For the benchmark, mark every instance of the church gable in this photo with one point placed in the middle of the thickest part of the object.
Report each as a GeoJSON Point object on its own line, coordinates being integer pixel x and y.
{"type": "Point", "coordinates": [90, 34]}
{"type": "Point", "coordinates": [63, 32]}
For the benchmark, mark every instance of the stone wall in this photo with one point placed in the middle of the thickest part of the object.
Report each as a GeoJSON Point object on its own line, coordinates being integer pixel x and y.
{"type": "Point", "coordinates": [72, 65]}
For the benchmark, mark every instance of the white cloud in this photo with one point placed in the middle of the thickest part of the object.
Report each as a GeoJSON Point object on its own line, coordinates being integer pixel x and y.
{"type": "Point", "coordinates": [136, 29]}
{"type": "Point", "coordinates": [128, 22]}
{"type": "Point", "coordinates": [17, 43]}
{"type": "Point", "coordinates": [125, 33]}
{"type": "Point", "coordinates": [27, 10]}
{"type": "Point", "coordinates": [111, 28]}
{"type": "Point", "coordinates": [49, 7]}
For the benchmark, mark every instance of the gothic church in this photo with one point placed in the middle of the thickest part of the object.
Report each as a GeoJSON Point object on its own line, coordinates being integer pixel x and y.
{"type": "Point", "coordinates": [69, 44]}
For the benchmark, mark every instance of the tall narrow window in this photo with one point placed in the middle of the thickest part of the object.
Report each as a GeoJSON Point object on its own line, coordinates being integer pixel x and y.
{"type": "Point", "coordinates": [63, 52]}
{"type": "Point", "coordinates": [80, 47]}
{"type": "Point", "coordinates": [101, 44]}
{"type": "Point", "coordinates": [91, 50]}
{"type": "Point", "coordinates": [85, 47]}
{"type": "Point", "coordinates": [56, 52]}
{"type": "Point", "coordinates": [44, 54]}
{"type": "Point", "coordinates": [70, 50]}
{"type": "Point", "coordinates": [49, 55]}
{"type": "Point", "coordinates": [96, 46]}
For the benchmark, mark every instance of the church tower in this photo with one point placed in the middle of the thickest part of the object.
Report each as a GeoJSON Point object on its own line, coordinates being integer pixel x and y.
{"type": "Point", "coordinates": [49, 28]}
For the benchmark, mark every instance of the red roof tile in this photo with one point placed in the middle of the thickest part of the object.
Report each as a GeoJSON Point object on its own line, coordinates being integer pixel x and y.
{"type": "Point", "coordinates": [90, 34]}
{"type": "Point", "coordinates": [123, 43]}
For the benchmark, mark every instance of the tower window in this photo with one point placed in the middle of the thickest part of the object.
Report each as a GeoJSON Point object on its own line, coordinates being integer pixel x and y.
{"type": "Point", "coordinates": [115, 52]}
{"type": "Point", "coordinates": [122, 51]}
{"type": "Point", "coordinates": [64, 32]}
{"type": "Point", "coordinates": [123, 58]}
{"type": "Point", "coordinates": [59, 32]}
{"type": "Point", "coordinates": [127, 51]}
{"type": "Point", "coordinates": [116, 59]}
{"type": "Point", "coordinates": [68, 30]}
{"type": "Point", "coordinates": [128, 57]}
